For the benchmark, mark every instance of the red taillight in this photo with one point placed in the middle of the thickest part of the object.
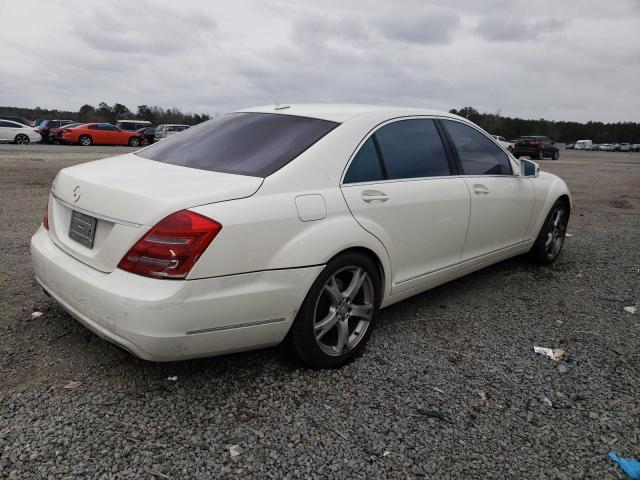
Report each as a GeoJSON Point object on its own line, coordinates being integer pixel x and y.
{"type": "Point", "coordinates": [45, 220]}
{"type": "Point", "coordinates": [533, 142]}
{"type": "Point", "coordinates": [171, 248]}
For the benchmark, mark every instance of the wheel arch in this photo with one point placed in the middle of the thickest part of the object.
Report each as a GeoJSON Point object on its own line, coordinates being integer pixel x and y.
{"type": "Point", "coordinates": [548, 190]}
{"type": "Point", "coordinates": [371, 255]}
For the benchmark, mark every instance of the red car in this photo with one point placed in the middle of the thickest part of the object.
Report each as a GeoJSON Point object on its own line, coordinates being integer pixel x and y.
{"type": "Point", "coordinates": [101, 134]}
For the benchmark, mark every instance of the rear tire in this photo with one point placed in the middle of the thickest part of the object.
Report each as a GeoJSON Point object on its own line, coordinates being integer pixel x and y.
{"type": "Point", "coordinates": [85, 140]}
{"type": "Point", "coordinates": [551, 237]}
{"type": "Point", "coordinates": [22, 139]}
{"type": "Point", "coordinates": [134, 142]}
{"type": "Point", "coordinates": [338, 314]}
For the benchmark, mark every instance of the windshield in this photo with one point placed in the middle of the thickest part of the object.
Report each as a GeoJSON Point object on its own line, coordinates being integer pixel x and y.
{"type": "Point", "coordinates": [255, 144]}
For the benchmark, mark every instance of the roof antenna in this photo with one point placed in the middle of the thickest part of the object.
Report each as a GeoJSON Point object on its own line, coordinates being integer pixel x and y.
{"type": "Point", "coordinates": [280, 106]}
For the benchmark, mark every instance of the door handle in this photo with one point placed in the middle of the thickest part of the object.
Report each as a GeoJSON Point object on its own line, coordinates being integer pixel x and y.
{"type": "Point", "coordinates": [480, 189]}
{"type": "Point", "coordinates": [374, 196]}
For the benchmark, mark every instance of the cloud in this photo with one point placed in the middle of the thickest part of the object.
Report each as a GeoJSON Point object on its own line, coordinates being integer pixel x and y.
{"type": "Point", "coordinates": [503, 29]}
{"type": "Point", "coordinates": [422, 27]}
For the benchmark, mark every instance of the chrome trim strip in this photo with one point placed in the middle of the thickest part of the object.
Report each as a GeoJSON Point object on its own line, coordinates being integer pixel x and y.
{"type": "Point", "coordinates": [96, 215]}
{"type": "Point", "coordinates": [240, 325]}
{"type": "Point", "coordinates": [420, 179]}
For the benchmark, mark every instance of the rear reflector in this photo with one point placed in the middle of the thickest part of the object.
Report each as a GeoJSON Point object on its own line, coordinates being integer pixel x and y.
{"type": "Point", "coordinates": [172, 247]}
{"type": "Point", "coordinates": [45, 220]}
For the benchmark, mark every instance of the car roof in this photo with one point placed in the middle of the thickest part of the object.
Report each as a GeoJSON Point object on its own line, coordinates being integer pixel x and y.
{"type": "Point", "coordinates": [134, 121]}
{"type": "Point", "coordinates": [12, 121]}
{"type": "Point", "coordinates": [341, 112]}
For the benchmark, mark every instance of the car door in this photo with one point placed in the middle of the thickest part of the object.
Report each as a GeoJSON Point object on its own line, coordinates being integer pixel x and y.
{"type": "Point", "coordinates": [399, 186]}
{"type": "Point", "coordinates": [107, 134]}
{"type": "Point", "coordinates": [501, 200]}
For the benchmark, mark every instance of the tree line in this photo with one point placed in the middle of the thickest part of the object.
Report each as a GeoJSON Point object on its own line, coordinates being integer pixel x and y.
{"type": "Point", "coordinates": [494, 123]}
{"type": "Point", "coordinates": [109, 114]}
{"type": "Point", "coordinates": [558, 131]}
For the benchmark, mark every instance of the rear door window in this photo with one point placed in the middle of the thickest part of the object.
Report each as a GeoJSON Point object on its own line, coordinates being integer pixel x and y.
{"type": "Point", "coordinates": [477, 153]}
{"type": "Point", "coordinates": [256, 144]}
{"type": "Point", "coordinates": [403, 149]}
{"type": "Point", "coordinates": [412, 149]}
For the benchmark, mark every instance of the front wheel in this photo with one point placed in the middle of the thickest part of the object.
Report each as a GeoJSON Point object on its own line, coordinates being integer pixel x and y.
{"type": "Point", "coordinates": [540, 154]}
{"type": "Point", "coordinates": [22, 139]}
{"type": "Point", "coordinates": [337, 315]}
{"type": "Point", "coordinates": [134, 142]}
{"type": "Point", "coordinates": [85, 140]}
{"type": "Point", "coordinates": [556, 155]}
{"type": "Point", "coordinates": [551, 236]}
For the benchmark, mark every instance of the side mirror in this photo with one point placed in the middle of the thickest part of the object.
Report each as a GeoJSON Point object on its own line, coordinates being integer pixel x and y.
{"type": "Point", "coordinates": [529, 168]}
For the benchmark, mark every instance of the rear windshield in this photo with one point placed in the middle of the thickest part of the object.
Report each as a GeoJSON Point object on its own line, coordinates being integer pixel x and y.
{"type": "Point", "coordinates": [255, 144]}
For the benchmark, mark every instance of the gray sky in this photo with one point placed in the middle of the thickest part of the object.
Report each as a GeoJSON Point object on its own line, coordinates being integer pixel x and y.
{"type": "Point", "coordinates": [554, 59]}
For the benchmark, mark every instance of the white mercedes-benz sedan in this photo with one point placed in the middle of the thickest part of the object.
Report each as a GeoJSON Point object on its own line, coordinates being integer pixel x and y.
{"type": "Point", "coordinates": [296, 222]}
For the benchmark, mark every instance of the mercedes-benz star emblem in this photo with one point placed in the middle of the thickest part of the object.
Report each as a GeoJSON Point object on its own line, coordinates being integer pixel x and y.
{"type": "Point", "coordinates": [77, 192]}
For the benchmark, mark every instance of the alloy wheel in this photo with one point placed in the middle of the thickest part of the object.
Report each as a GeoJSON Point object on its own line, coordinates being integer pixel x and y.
{"type": "Point", "coordinates": [556, 229]}
{"type": "Point", "coordinates": [344, 310]}
{"type": "Point", "coordinates": [22, 140]}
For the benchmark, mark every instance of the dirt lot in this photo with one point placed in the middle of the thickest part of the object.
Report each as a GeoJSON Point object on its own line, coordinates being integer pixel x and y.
{"type": "Point", "coordinates": [449, 386]}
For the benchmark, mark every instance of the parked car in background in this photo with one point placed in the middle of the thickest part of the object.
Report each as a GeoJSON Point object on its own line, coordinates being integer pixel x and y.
{"type": "Point", "coordinates": [101, 134]}
{"type": "Point", "coordinates": [19, 133]}
{"type": "Point", "coordinates": [55, 135]}
{"type": "Point", "coordinates": [582, 145]}
{"type": "Point", "coordinates": [607, 147]}
{"type": "Point", "coordinates": [20, 120]}
{"type": "Point", "coordinates": [132, 125]}
{"type": "Point", "coordinates": [625, 147]}
{"type": "Point", "coordinates": [569, 146]}
{"type": "Point", "coordinates": [345, 209]}
{"type": "Point", "coordinates": [594, 147]}
{"type": "Point", "coordinates": [635, 147]}
{"type": "Point", "coordinates": [536, 146]}
{"type": "Point", "coordinates": [149, 134]}
{"type": "Point", "coordinates": [167, 130]}
{"type": "Point", "coordinates": [46, 126]}
{"type": "Point", "coordinates": [504, 142]}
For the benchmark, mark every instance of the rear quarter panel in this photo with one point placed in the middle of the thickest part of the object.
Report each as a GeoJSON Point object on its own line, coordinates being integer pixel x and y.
{"type": "Point", "coordinates": [264, 232]}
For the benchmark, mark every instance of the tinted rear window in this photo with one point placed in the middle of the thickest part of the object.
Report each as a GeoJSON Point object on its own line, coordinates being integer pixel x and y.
{"type": "Point", "coordinates": [255, 144]}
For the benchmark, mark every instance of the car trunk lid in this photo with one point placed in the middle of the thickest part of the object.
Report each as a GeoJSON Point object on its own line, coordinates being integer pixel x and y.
{"type": "Point", "coordinates": [127, 195]}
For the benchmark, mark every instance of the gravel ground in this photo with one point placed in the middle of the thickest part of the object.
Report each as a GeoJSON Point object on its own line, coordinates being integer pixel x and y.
{"type": "Point", "coordinates": [449, 386]}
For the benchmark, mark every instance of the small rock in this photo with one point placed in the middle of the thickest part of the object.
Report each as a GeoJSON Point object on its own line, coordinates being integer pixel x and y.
{"type": "Point", "coordinates": [563, 369]}
{"type": "Point", "coordinates": [235, 451]}
{"type": "Point", "coordinates": [630, 309]}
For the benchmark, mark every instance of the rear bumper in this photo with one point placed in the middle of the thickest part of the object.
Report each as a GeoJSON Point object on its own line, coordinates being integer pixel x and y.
{"type": "Point", "coordinates": [166, 320]}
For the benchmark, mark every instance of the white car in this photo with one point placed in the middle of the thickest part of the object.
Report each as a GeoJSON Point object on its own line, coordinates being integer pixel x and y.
{"type": "Point", "coordinates": [15, 132]}
{"type": "Point", "coordinates": [503, 141]}
{"type": "Point", "coordinates": [583, 145]}
{"type": "Point", "coordinates": [168, 130]}
{"type": "Point", "coordinates": [294, 221]}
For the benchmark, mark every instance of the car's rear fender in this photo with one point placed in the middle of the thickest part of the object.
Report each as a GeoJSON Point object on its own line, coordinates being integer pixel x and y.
{"type": "Point", "coordinates": [265, 232]}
